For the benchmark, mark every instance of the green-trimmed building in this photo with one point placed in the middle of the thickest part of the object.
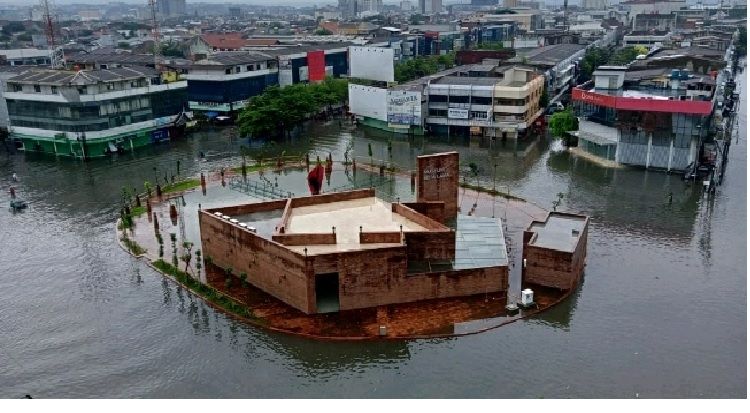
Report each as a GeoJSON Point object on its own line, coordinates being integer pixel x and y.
{"type": "Point", "coordinates": [92, 113]}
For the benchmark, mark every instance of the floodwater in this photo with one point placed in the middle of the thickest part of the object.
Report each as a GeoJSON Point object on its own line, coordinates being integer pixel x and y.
{"type": "Point", "coordinates": [661, 311]}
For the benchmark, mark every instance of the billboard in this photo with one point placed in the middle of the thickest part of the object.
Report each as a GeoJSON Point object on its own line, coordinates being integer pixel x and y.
{"type": "Point", "coordinates": [371, 63]}
{"type": "Point", "coordinates": [404, 107]}
{"type": "Point", "coordinates": [316, 64]}
{"type": "Point", "coordinates": [454, 113]}
{"type": "Point", "coordinates": [368, 101]}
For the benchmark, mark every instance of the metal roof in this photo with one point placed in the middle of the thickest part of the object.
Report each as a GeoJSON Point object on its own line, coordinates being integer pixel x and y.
{"type": "Point", "coordinates": [82, 77]}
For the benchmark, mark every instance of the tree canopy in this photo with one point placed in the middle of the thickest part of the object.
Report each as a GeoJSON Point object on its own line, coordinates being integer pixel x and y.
{"type": "Point", "coordinates": [278, 110]}
{"type": "Point", "coordinates": [563, 122]}
{"type": "Point", "coordinates": [423, 66]}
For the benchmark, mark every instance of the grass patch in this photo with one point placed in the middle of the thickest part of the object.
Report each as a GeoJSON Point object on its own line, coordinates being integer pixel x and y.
{"type": "Point", "coordinates": [132, 246]}
{"type": "Point", "coordinates": [206, 291]}
{"type": "Point", "coordinates": [181, 186]}
{"type": "Point", "coordinates": [253, 168]}
{"type": "Point", "coordinates": [492, 192]}
{"type": "Point", "coordinates": [126, 221]}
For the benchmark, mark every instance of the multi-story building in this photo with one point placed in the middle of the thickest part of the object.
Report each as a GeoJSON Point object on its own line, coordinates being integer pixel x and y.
{"type": "Point", "coordinates": [653, 117]}
{"type": "Point", "coordinates": [484, 100]}
{"type": "Point", "coordinates": [559, 63]}
{"type": "Point", "coordinates": [90, 113]}
{"type": "Point", "coordinates": [222, 83]}
{"type": "Point", "coordinates": [428, 7]}
{"type": "Point", "coordinates": [171, 8]}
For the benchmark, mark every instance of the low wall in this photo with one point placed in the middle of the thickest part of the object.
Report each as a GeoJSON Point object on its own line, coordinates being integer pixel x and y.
{"type": "Point", "coordinates": [332, 197]}
{"type": "Point", "coordinates": [380, 237]}
{"type": "Point", "coordinates": [250, 208]}
{"type": "Point", "coordinates": [304, 239]}
{"type": "Point", "coordinates": [432, 209]}
{"type": "Point", "coordinates": [420, 219]}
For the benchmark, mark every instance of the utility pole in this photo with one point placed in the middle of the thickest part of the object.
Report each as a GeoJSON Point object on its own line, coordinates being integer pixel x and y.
{"type": "Point", "coordinates": [155, 33]}
{"type": "Point", "coordinates": [57, 58]}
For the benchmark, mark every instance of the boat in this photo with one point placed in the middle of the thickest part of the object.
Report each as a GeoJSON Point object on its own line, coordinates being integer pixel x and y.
{"type": "Point", "coordinates": [18, 204]}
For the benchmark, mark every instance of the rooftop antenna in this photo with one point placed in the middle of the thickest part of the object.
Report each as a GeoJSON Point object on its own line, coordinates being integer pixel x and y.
{"type": "Point", "coordinates": [57, 57]}
{"type": "Point", "coordinates": [156, 34]}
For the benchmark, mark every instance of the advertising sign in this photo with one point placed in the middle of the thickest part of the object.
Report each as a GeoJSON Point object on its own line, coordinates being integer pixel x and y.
{"type": "Point", "coordinates": [404, 107]}
{"type": "Point", "coordinates": [454, 113]}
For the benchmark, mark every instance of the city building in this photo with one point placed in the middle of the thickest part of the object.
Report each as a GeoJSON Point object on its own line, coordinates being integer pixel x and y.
{"type": "Point", "coordinates": [170, 8]}
{"type": "Point", "coordinates": [649, 117]}
{"type": "Point", "coordinates": [484, 100]}
{"type": "Point", "coordinates": [24, 57]}
{"type": "Point", "coordinates": [558, 63]}
{"type": "Point", "coordinates": [428, 7]}
{"type": "Point", "coordinates": [350, 250]}
{"type": "Point", "coordinates": [90, 113]}
{"type": "Point", "coordinates": [222, 83]}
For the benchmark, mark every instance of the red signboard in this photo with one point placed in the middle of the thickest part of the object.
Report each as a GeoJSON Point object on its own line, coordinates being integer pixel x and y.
{"type": "Point", "coordinates": [594, 98]}
{"type": "Point", "coordinates": [316, 65]}
{"type": "Point", "coordinates": [693, 107]}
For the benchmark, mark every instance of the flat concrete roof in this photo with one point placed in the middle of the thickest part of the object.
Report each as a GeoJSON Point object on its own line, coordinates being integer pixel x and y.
{"type": "Point", "coordinates": [557, 232]}
{"type": "Point", "coordinates": [372, 214]}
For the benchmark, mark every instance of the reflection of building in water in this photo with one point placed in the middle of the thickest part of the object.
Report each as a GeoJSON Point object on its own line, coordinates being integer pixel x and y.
{"type": "Point", "coordinates": [628, 200]}
{"type": "Point", "coordinates": [350, 250]}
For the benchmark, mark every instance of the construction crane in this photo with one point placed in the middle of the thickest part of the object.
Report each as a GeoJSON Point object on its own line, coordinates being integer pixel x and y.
{"type": "Point", "coordinates": [155, 33]}
{"type": "Point", "coordinates": [57, 57]}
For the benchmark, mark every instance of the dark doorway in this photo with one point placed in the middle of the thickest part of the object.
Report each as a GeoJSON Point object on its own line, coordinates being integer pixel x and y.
{"type": "Point", "coordinates": [327, 292]}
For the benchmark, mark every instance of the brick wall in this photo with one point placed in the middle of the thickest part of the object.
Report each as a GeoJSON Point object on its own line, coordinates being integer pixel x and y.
{"type": "Point", "coordinates": [332, 197]}
{"type": "Point", "coordinates": [380, 237]}
{"type": "Point", "coordinates": [304, 239]}
{"type": "Point", "coordinates": [420, 219]}
{"type": "Point", "coordinates": [379, 278]}
{"type": "Point", "coordinates": [437, 180]}
{"type": "Point", "coordinates": [433, 209]}
{"type": "Point", "coordinates": [551, 268]}
{"type": "Point", "coordinates": [269, 265]}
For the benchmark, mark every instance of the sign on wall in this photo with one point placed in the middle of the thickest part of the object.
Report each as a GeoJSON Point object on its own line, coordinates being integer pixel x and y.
{"type": "Point", "coordinates": [404, 107]}
{"type": "Point", "coordinates": [454, 113]}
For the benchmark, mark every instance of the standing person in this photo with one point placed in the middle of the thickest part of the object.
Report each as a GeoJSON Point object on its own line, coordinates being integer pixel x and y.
{"type": "Point", "coordinates": [12, 192]}
{"type": "Point", "coordinates": [15, 177]}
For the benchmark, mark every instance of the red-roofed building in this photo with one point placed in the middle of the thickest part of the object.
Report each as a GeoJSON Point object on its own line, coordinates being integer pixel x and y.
{"type": "Point", "coordinates": [224, 42]}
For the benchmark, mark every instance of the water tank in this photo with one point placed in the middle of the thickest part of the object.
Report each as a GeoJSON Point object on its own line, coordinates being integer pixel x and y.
{"type": "Point", "coordinates": [527, 297]}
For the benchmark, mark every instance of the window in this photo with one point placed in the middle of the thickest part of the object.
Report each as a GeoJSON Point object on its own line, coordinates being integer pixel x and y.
{"type": "Point", "coordinates": [54, 90]}
{"type": "Point", "coordinates": [249, 68]}
{"type": "Point", "coordinates": [16, 88]}
{"type": "Point", "coordinates": [237, 69]}
{"type": "Point", "coordinates": [228, 71]}
{"type": "Point", "coordinates": [82, 90]}
{"type": "Point", "coordinates": [37, 89]}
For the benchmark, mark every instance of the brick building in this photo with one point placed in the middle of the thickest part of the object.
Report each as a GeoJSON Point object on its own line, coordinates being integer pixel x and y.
{"type": "Point", "coordinates": [351, 250]}
{"type": "Point", "coordinates": [554, 251]}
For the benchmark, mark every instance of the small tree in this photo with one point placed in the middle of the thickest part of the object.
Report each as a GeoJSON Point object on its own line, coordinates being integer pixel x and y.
{"type": "Point", "coordinates": [188, 254]}
{"type": "Point", "coordinates": [556, 203]}
{"type": "Point", "coordinates": [562, 123]}
{"type": "Point", "coordinates": [198, 264]}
